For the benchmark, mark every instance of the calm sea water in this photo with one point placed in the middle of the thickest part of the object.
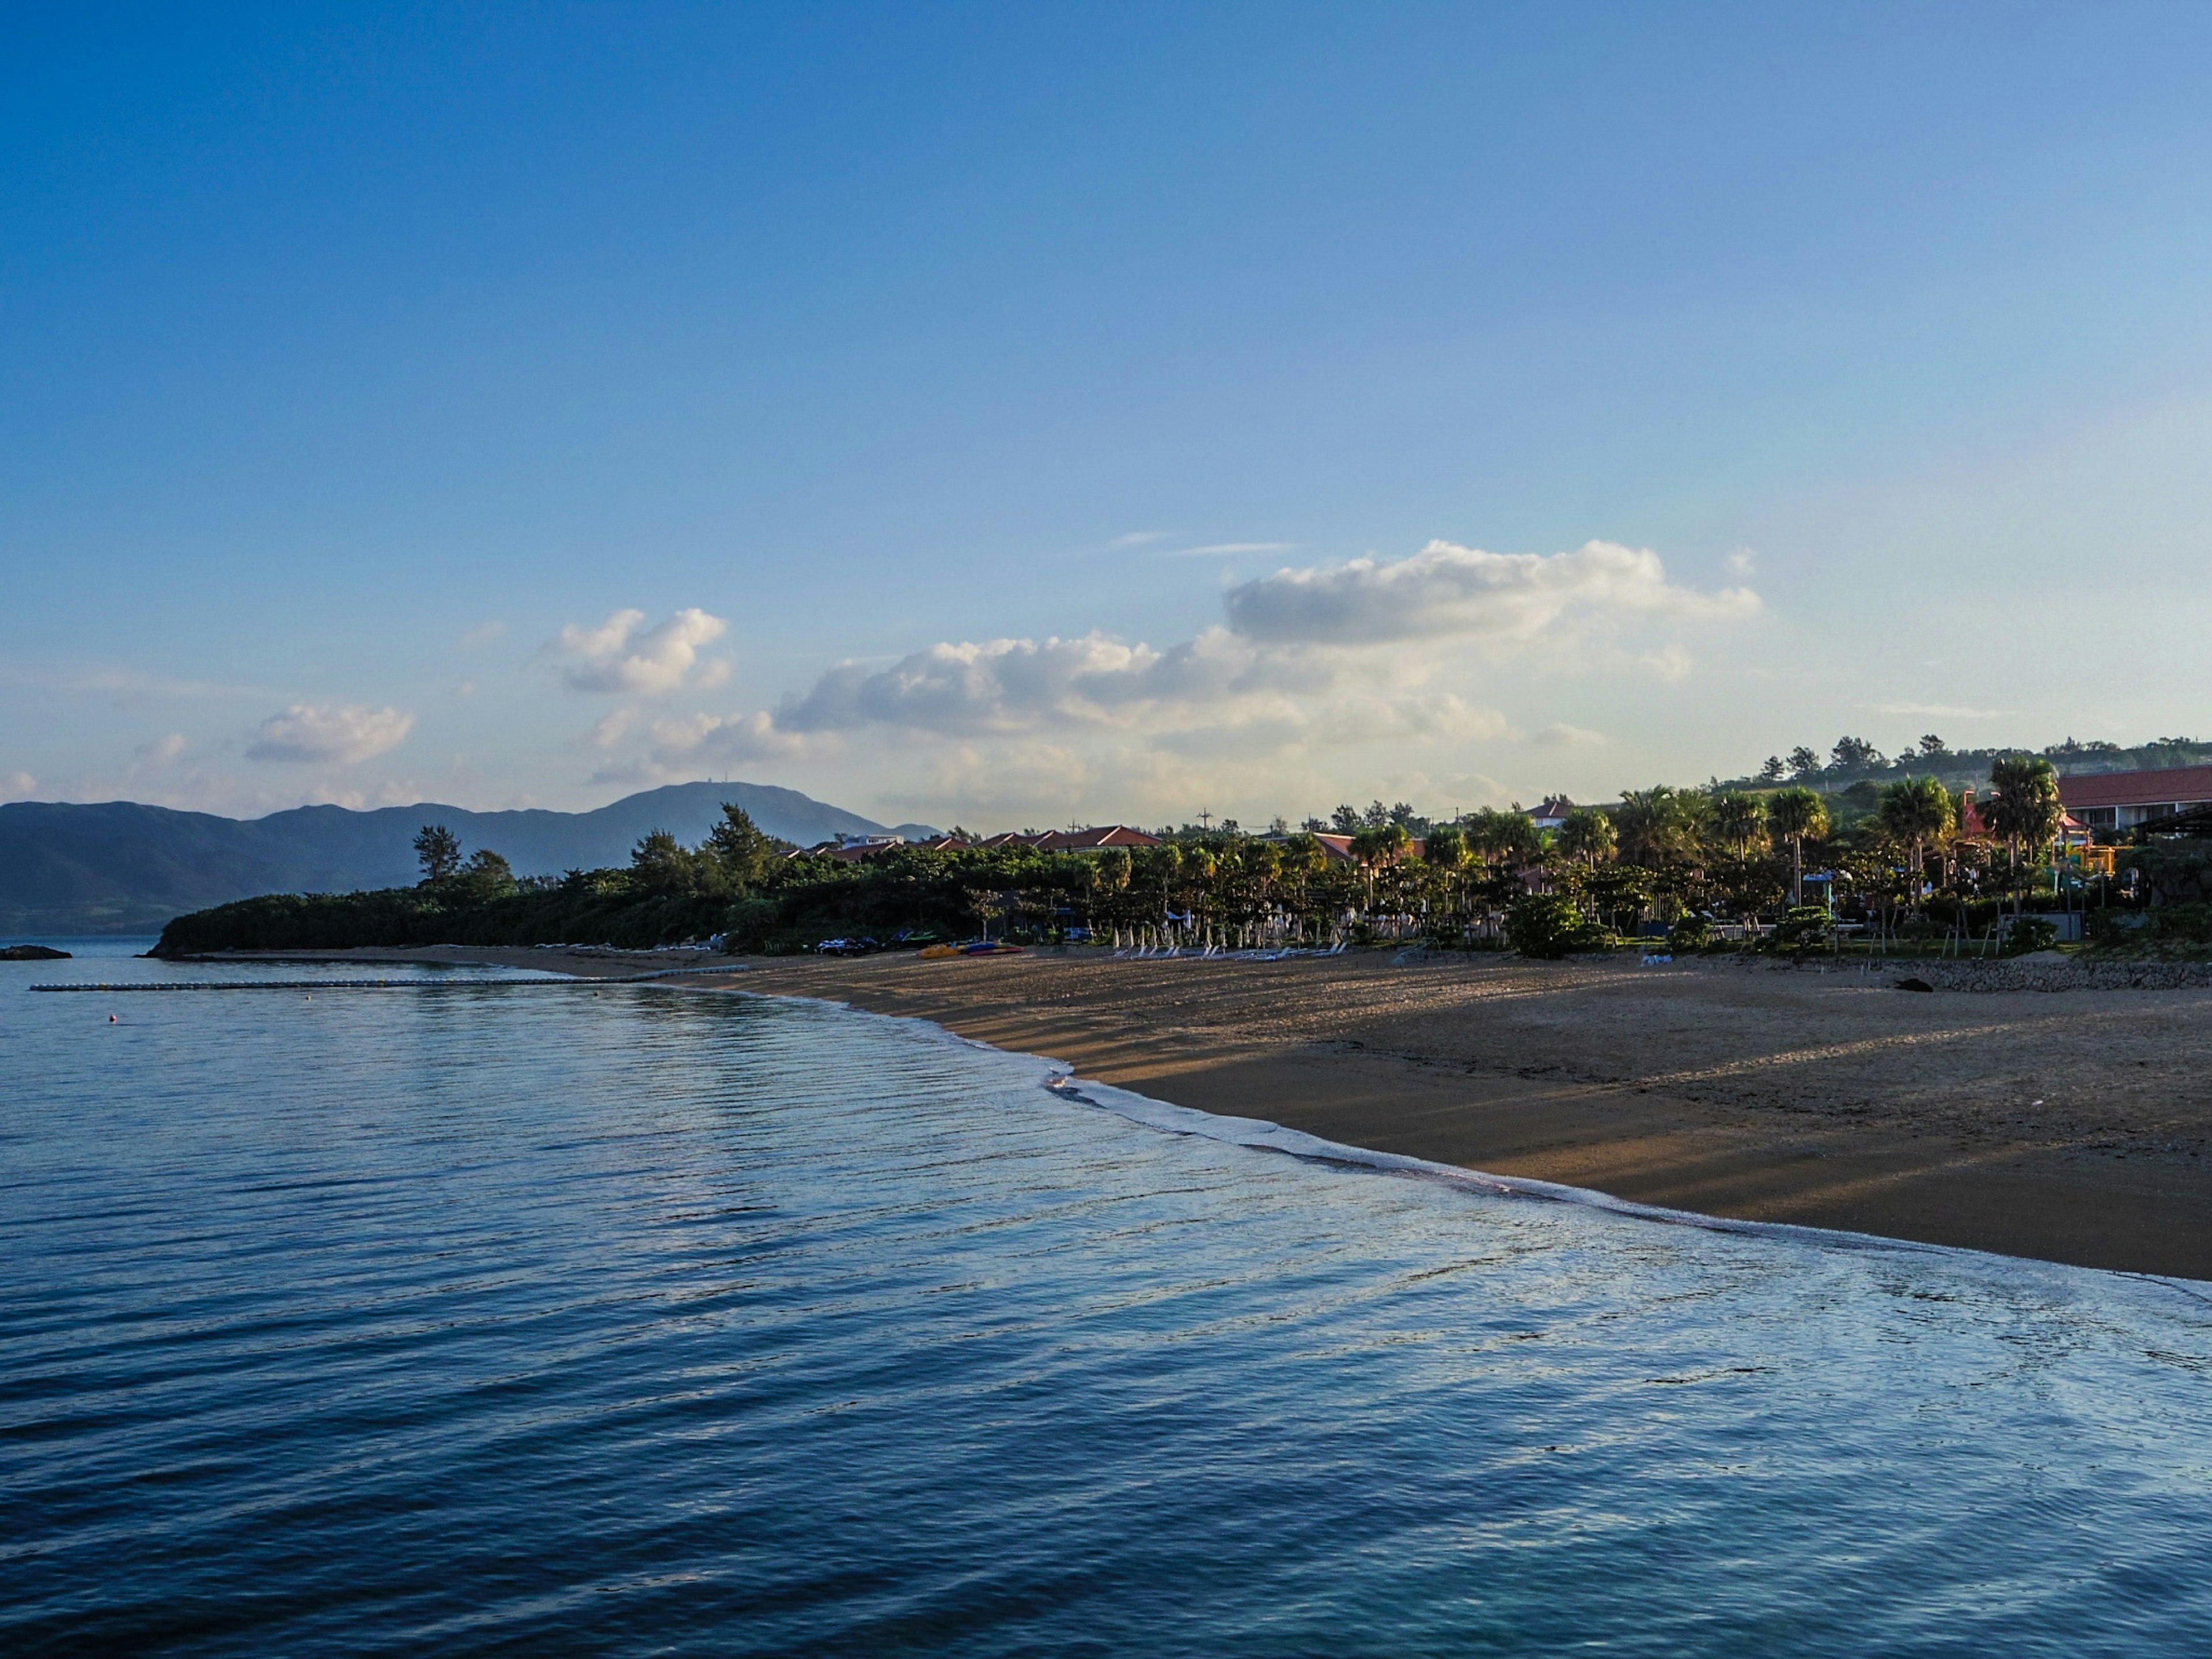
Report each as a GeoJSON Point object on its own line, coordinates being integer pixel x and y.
{"type": "Point", "coordinates": [468, 1319]}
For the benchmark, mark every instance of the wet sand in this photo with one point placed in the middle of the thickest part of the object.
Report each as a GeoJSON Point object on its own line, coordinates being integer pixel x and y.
{"type": "Point", "coordinates": [2069, 1125]}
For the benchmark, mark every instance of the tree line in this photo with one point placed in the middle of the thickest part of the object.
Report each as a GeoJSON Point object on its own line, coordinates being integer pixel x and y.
{"type": "Point", "coordinates": [1692, 860]}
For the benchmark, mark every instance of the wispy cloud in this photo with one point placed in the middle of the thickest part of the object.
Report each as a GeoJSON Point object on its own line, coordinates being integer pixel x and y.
{"type": "Point", "coordinates": [1560, 735]}
{"type": "Point", "coordinates": [1942, 711]}
{"type": "Point", "coordinates": [1213, 549]}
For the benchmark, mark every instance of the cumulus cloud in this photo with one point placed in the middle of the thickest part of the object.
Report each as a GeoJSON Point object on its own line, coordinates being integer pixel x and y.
{"type": "Point", "coordinates": [1015, 685]}
{"type": "Point", "coordinates": [162, 750]}
{"type": "Point", "coordinates": [622, 654]}
{"type": "Point", "coordinates": [1446, 591]}
{"type": "Point", "coordinates": [1368, 654]}
{"type": "Point", "coordinates": [17, 786]}
{"type": "Point", "coordinates": [329, 732]}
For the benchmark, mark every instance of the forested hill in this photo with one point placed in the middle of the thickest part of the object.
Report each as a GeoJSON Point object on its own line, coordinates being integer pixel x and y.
{"type": "Point", "coordinates": [120, 868]}
{"type": "Point", "coordinates": [1854, 760]}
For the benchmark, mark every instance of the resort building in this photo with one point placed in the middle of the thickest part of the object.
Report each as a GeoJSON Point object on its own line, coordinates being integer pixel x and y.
{"type": "Point", "coordinates": [1552, 814]}
{"type": "Point", "coordinates": [2120, 800]}
{"type": "Point", "coordinates": [1097, 839]}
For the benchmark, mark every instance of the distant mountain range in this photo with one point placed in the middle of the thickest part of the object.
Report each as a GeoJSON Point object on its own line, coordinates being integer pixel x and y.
{"type": "Point", "coordinates": [119, 867]}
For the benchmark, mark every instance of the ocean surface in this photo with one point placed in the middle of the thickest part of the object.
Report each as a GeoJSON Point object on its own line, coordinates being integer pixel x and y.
{"type": "Point", "coordinates": [474, 1318]}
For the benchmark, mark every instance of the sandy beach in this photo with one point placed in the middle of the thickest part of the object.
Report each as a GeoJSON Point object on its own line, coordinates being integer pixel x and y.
{"type": "Point", "coordinates": [2069, 1124]}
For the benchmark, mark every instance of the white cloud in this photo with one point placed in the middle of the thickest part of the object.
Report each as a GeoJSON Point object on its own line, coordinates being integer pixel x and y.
{"type": "Point", "coordinates": [484, 633]}
{"type": "Point", "coordinates": [1940, 711]}
{"type": "Point", "coordinates": [1365, 658]}
{"type": "Point", "coordinates": [162, 750]}
{"type": "Point", "coordinates": [1015, 685]}
{"type": "Point", "coordinates": [615, 656]}
{"type": "Point", "coordinates": [1445, 591]}
{"type": "Point", "coordinates": [17, 786]}
{"type": "Point", "coordinates": [733, 738]}
{"type": "Point", "coordinates": [1213, 549]}
{"type": "Point", "coordinates": [1438, 718]}
{"type": "Point", "coordinates": [1560, 735]}
{"type": "Point", "coordinates": [328, 732]}
{"type": "Point", "coordinates": [1743, 561]}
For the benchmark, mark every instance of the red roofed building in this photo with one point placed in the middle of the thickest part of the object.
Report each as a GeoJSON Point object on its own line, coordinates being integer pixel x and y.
{"type": "Point", "coordinates": [852, 849]}
{"type": "Point", "coordinates": [1338, 849]}
{"type": "Point", "coordinates": [2120, 800]}
{"type": "Point", "coordinates": [1096, 840]}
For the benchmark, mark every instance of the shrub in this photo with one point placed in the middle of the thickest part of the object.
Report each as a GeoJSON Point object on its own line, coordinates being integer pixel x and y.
{"type": "Point", "coordinates": [1805, 926]}
{"type": "Point", "coordinates": [1548, 926]}
{"type": "Point", "coordinates": [2029, 934]}
{"type": "Point", "coordinates": [1690, 934]}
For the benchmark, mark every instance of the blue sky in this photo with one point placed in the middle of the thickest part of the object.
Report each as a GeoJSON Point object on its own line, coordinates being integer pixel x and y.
{"type": "Point", "coordinates": [525, 405]}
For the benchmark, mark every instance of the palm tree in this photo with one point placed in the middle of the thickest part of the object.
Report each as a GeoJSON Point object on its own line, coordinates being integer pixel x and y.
{"type": "Point", "coordinates": [2024, 807]}
{"type": "Point", "coordinates": [1444, 850]}
{"type": "Point", "coordinates": [1739, 820]}
{"type": "Point", "coordinates": [1588, 834]}
{"type": "Point", "coordinates": [1914, 812]}
{"type": "Point", "coordinates": [1797, 814]}
{"type": "Point", "coordinates": [1659, 824]}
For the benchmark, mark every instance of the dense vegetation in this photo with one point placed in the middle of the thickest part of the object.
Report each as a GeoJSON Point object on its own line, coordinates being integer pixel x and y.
{"type": "Point", "coordinates": [1706, 868]}
{"type": "Point", "coordinates": [1856, 767]}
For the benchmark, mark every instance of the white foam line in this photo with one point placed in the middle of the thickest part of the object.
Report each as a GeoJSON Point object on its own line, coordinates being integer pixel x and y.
{"type": "Point", "coordinates": [1260, 1135]}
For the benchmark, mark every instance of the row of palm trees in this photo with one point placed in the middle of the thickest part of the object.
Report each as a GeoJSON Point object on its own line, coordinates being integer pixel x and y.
{"type": "Point", "coordinates": [1660, 853]}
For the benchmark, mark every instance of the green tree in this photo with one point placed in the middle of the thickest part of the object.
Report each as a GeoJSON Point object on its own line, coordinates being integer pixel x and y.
{"type": "Point", "coordinates": [2023, 808]}
{"type": "Point", "coordinates": [1915, 813]}
{"type": "Point", "coordinates": [1500, 837]}
{"type": "Point", "coordinates": [1797, 814]}
{"type": "Point", "coordinates": [741, 852]}
{"type": "Point", "coordinates": [1659, 825]}
{"type": "Point", "coordinates": [1380, 844]}
{"type": "Point", "coordinates": [483, 876]}
{"type": "Point", "coordinates": [1739, 820]}
{"type": "Point", "coordinates": [1588, 836]}
{"type": "Point", "coordinates": [1803, 762]}
{"type": "Point", "coordinates": [439, 850]}
{"type": "Point", "coordinates": [660, 864]}
{"type": "Point", "coordinates": [1445, 847]}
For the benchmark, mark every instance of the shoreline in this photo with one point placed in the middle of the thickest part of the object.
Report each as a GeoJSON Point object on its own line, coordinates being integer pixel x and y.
{"type": "Point", "coordinates": [2059, 1125]}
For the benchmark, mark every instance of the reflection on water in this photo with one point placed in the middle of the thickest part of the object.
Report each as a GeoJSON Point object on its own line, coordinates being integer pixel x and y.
{"type": "Point", "coordinates": [640, 1321]}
